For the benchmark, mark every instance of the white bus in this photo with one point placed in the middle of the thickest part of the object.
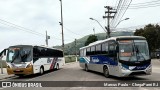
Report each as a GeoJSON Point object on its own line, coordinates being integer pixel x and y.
{"type": "Point", "coordinates": [27, 59]}
{"type": "Point", "coordinates": [120, 56]}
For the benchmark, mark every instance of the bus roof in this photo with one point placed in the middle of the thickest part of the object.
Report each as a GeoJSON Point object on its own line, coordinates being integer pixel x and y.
{"type": "Point", "coordinates": [115, 38]}
{"type": "Point", "coordinates": [35, 46]}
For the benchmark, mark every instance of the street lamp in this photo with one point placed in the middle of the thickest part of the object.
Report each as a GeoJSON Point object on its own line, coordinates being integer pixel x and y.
{"type": "Point", "coordinates": [121, 21]}
{"type": "Point", "coordinates": [98, 23]}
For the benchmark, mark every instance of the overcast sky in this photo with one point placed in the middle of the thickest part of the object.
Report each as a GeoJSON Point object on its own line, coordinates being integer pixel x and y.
{"type": "Point", "coordinates": [42, 15]}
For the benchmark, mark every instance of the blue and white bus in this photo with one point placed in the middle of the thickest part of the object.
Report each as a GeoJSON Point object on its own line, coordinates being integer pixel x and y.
{"type": "Point", "coordinates": [120, 56]}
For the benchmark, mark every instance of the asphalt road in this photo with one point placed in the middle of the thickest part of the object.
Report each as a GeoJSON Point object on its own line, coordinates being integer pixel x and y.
{"type": "Point", "coordinates": [72, 72]}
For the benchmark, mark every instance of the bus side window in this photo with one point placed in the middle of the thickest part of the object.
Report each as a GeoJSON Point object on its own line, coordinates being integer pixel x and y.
{"type": "Point", "coordinates": [88, 51]}
{"type": "Point", "coordinates": [105, 48]}
{"type": "Point", "coordinates": [98, 49]}
{"type": "Point", "coordinates": [84, 52]}
{"type": "Point", "coordinates": [81, 52]}
{"type": "Point", "coordinates": [112, 49]}
{"type": "Point", "coordinates": [93, 49]}
{"type": "Point", "coordinates": [35, 54]}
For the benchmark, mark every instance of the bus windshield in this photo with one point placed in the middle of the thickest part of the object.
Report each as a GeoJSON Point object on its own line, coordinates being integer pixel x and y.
{"type": "Point", "coordinates": [133, 50]}
{"type": "Point", "coordinates": [19, 54]}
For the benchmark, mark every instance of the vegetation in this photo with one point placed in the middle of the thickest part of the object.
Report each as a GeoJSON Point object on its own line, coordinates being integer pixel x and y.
{"type": "Point", "coordinates": [70, 58]}
{"type": "Point", "coordinates": [152, 34]}
{"type": "Point", "coordinates": [91, 38]}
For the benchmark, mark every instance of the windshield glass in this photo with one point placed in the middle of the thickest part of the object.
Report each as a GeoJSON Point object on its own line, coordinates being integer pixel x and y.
{"type": "Point", "coordinates": [19, 54]}
{"type": "Point", "coordinates": [133, 50]}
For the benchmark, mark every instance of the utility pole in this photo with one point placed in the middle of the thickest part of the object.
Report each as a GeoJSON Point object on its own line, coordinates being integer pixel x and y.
{"type": "Point", "coordinates": [47, 37]}
{"type": "Point", "coordinates": [109, 12]}
{"type": "Point", "coordinates": [76, 48]}
{"type": "Point", "coordinates": [61, 23]}
{"type": "Point", "coordinates": [1, 65]}
{"type": "Point", "coordinates": [94, 31]}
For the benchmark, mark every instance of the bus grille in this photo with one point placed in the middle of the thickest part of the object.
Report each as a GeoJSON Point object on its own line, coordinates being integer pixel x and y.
{"type": "Point", "coordinates": [18, 71]}
{"type": "Point", "coordinates": [138, 73]}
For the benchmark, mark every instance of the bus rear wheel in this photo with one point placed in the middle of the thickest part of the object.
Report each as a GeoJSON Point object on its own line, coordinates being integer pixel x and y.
{"type": "Point", "coordinates": [106, 71]}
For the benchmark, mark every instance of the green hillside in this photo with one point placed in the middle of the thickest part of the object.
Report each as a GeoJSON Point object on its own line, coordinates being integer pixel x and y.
{"type": "Point", "coordinates": [70, 47]}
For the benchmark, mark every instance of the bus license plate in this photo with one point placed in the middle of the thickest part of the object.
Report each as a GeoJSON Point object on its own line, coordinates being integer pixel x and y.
{"type": "Point", "coordinates": [17, 70]}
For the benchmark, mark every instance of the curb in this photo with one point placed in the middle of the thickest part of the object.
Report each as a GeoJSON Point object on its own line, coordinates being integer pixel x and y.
{"type": "Point", "coordinates": [6, 76]}
{"type": "Point", "coordinates": [70, 63]}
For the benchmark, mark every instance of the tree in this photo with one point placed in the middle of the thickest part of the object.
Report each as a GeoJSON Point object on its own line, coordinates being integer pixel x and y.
{"type": "Point", "coordinates": [152, 34]}
{"type": "Point", "coordinates": [91, 38]}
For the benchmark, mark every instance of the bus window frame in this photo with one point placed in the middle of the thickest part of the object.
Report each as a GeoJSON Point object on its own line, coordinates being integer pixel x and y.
{"type": "Point", "coordinates": [93, 51]}
{"type": "Point", "coordinates": [104, 47]}
{"type": "Point", "coordinates": [99, 50]}
{"type": "Point", "coordinates": [113, 53]}
{"type": "Point", "coordinates": [88, 51]}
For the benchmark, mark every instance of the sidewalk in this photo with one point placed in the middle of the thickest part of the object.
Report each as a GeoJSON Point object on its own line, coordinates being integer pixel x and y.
{"type": "Point", "coordinates": [4, 75]}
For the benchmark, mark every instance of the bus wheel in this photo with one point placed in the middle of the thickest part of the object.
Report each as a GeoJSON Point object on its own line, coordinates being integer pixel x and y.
{"type": "Point", "coordinates": [41, 70]}
{"type": "Point", "coordinates": [86, 67]}
{"type": "Point", "coordinates": [57, 66]}
{"type": "Point", "coordinates": [106, 71]}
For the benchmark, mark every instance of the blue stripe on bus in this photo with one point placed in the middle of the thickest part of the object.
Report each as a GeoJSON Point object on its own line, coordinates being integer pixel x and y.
{"type": "Point", "coordinates": [82, 60]}
{"type": "Point", "coordinates": [100, 59]}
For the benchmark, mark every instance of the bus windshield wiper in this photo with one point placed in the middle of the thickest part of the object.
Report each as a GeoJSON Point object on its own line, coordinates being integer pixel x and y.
{"type": "Point", "coordinates": [24, 56]}
{"type": "Point", "coordinates": [138, 51]}
{"type": "Point", "coordinates": [14, 58]}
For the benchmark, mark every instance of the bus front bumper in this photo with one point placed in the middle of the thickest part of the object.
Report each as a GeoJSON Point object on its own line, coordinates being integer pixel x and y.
{"type": "Point", "coordinates": [25, 71]}
{"type": "Point", "coordinates": [126, 73]}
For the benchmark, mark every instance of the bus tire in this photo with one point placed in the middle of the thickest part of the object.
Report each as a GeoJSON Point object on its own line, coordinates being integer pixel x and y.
{"type": "Point", "coordinates": [41, 70]}
{"type": "Point", "coordinates": [86, 67]}
{"type": "Point", "coordinates": [106, 71]}
{"type": "Point", "coordinates": [57, 67]}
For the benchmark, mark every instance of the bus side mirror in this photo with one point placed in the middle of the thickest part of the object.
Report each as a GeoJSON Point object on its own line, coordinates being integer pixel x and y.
{"type": "Point", "coordinates": [4, 52]}
{"type": "Point", "coordinates": [3, 55]}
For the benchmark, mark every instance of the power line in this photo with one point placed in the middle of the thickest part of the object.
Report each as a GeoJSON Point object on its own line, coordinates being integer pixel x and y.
{"type": "Point", "coordinates": [72, 31]}
{"type": "Point", "coordinates": [132, 28]}
{"type": "Point", "coordinates": [143, 5]}
{"type": "Point", "coordinates": [24, 29]}
{"type": "Point", "coordinates": [18, 28]}
{"type": "Point", "coordinates": [147, 6]}
{"type": "Point", "coordinates": [120, 12]}
{"type": "Point", "coordinates": [124, 11]}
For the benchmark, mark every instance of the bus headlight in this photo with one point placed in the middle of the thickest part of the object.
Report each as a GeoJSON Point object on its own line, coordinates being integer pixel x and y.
{"type": "Point", "coordinates": [29, 65]}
